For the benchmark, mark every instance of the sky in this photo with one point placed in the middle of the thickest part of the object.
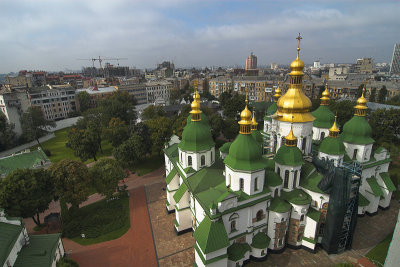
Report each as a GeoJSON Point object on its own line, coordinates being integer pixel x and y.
{"type": "Point", "coordinates": [51, 35]}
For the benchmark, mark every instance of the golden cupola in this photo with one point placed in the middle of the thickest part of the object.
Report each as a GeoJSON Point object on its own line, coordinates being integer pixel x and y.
{"type": "Point", "coordinates": [291, 139]}
{"type": "Point", "coordinates": [245, 120]}
{"type": "Point", "coordinates": [334, 130]}
{"type": "Point", "coordinates": [277, 94]}
{"type": "Point", "coordinates": [195, 105]}
{"type": "Point", "coordinates": [361, 107]}
{"type": "Point", "coordinates": [254, 123]}
{"type": "Point", "coordinates": [325, 97]}
{"type": "Point", "coordinates": [294, 105]}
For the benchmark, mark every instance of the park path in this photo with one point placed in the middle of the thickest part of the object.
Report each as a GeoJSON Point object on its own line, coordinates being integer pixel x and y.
{"type": "Point", "coordinates": [134, 248]}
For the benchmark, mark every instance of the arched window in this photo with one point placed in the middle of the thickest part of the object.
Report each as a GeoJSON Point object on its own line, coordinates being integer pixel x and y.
{"type": "Point", "coordinates": [255, 184]}
{"type": "Point", "coordinates": [322, 135]}
{"type": "Point", "coordinates": [286, 179]}
{"type": "Point", "coordinates": [181, 158]}
{"type": "Point", "coordinates": [259, 215]}
{"type": "Point", "coordinates": [229, 179]}
{"type": "Point", "coordinates": [233, 218]}
{"type": "Point", "coordinates": [279, 171]}
{"type": "Point", "coordinates": [295, 179]}
{"type": "Point", "coordinates": [302, 217]}
{"type": "Point", "coordinates": [282, 141]}
{"type": "Point", "coordinates": [355, 153]}
{"type": "Point", "coordinates": [233, 226]}
{"type": "Point", "coordinates": [276, 192]}
{"type": "Point", "coordinates": [303, 145]}
{"type": "Point", "coordinates": [203, 160]}
{"type": "Point", "coordinates": [211, 156]}
{"type": "Point", "coordinates": [241, 184]}
{"type": "Point", "coordinates": [190, 160]}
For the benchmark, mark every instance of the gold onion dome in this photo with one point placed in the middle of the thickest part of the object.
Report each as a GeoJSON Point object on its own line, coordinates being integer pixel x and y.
{"type": "Point", "coordinates": [245, 120]}
{"type": "Point", "coordinates": [291, 139]}
{"type": "Point", "coordinates": [294, 105]}
{"type": "Point", "coordinates": [361, 106]}
{"type": "Point", "coordinates": [254, 123]}
{"type": "Point", "coordinates": [325, 97]}
{"type": "Point", "coordinates": [277, 94]}
{"type": "Point", "coordinates": [195, 107]}
{"type": "Point", "coordinates": [334, 130]}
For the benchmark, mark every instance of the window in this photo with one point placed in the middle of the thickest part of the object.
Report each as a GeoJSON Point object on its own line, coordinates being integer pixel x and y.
{"type": "Point", "coordinates": [302, 217]}
{"type": "Point", "coordinates": [355, 153]}
{"type": "Point", "coordinates": [303, 145]}
{"type": "Point", "coordinates": [255, 184]}
{"type": "Point", "coordinates": [321, 229]}
{"type": "Point", "coordinates": [286, 179]}
{"type": "Point", "coordinates": [203, 160]}
{"type": "Point", "coordinates": [279, 242]}
{"type": "Point", "coordinates": [279, 171]}
{"type": "Point", "coordinates": [241, 184]}
{"type": "Point", "coordinates": [190, 160]}
{"type": "Point", "coordinates": [259, 215]}
{"type": "Point", "coordinates": [322, 135]}
{"type": "Point", "coordinates": [211, 156]}
{"type": "Point", "coordinates": [276, 192]}
{"type": "Point", "coordinates": [295, 179]}
{"type": "Point", "coordinates": [233, 225]}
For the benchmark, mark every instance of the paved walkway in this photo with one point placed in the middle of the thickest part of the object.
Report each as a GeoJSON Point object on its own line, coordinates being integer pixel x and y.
{"type": "Point", "coordinates": [135, 248]}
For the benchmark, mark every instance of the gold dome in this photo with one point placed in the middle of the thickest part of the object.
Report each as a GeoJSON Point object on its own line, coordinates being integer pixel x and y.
{"type": "Point", "coordinates": [361, 106]}
{"type": "Point", "coordinates": [245, 120]}
{"type": "Point", "coordinates": [325, 97]}
{"type": "Point", "coordinates": [291, 139]}
{"type": "Point", "coordinates": [294, 105]}
{"type": "Point", "coordinates": [334, 130]}
{"type": "Point", "coordinates": [195, 107]}
{"type": "Point", "coordinates": [277, 94]}
{"type": "Point", "coordinates": [254, 123]}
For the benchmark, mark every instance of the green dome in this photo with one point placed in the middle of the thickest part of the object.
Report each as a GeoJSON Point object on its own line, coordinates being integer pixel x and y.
{"type": "Point", "coordinates": [245, 154]}
{"type": "Point", "coordinates": [196, 136]}
{"type": "Point", "coordinates": [332, 146]}
{"type": "Point", "coordinates": [357, 131]}
{"type": "Point", "coordinates": [225, 147]}
{"type": "Point", "coordinates": [289, 156]}
{"type": "Point", "coordinates": [257, 136]}
{"type": "Point", "coordinates": [203, 117]}
{"type": "Point", "coordinates": [324, 117]}
{"type": "Point", "coordinates": [271, 111]}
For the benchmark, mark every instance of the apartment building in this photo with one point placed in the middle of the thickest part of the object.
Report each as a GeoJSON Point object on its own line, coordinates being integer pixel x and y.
{"type": "Point", "coordinates": [137, 90]}
{"type": "Point", "coordinates": [97, 93]}
{"type": "Point", "coordinates": [158, 92]}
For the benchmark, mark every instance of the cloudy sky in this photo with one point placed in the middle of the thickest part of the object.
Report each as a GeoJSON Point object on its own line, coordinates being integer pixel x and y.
{"type": "Point", "coordinates": [52, 34]}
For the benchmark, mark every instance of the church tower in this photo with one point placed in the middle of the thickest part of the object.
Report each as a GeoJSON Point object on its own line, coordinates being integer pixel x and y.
{"type": "Point", "coordinates": [332, 147]}
{"type": "Point", "coordinates": [294, 108]}
{"type": "Point", "coordinates": [324, 117]}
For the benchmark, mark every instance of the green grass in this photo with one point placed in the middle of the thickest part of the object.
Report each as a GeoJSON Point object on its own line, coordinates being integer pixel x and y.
{"type": "Point", "coordinates": [377, 255]}
{"type": "Point", "coordinates": [99, 221]}
{"type": "Point", "coordinates": [149, 165]}
{"type": "Point", "coordinates": [60, 151]}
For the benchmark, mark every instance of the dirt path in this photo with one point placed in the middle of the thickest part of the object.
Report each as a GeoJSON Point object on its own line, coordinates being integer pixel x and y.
{"type": "Point", "coordinates": [135, 248]}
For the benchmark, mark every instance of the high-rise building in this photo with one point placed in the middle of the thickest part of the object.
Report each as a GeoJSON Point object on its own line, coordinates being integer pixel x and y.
{"type": "Point", "coordinates": [395, 65]}
{"type": "Point", "coordinates": [251, 62]}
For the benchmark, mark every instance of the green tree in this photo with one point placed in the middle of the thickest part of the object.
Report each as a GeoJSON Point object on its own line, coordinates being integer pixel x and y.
{"type": "Point", "coordinates": [360, 90]}
{"type": "Point", "coordinates": [216, 123]}
{"type": "Point", "coordinates": [118, 105]}
{"type": "Point", "coordinates": [84, 101]}
{"type": "Point", "coordinates": [175, 96]}
{"type": "Point", "coordinates": [142, 130]}
{"type": "Point", "coordinates": [71, 181]}
{"type": "Point", "coordinates": [84, 143]}
{"type": "Point", "coordinates": [160, 133]}
{"type": "Point", "coordinates": [372, 97]}
{"type": "Point", "coordinates": [382, 94]}
{"type": "Point", "coordinates": [131, 151]}
{"type": "Point", "coordinates": [34, 125]}
{"type": "Point", "coordinates": [26, 193]}
{"type": "Point", "coordinates": [385, 124]}
{"type": "Point", "coordinates": [224, 97]}
{"type": "Point", "coordinates": [234, 105]}
{"type": "Point", "coordinates": [105, 175]}
{"type": "Point", "coordinates": [8, 138]}
{"type": "Point", "coordinates": [92, 121]}
{"type": "Point", "coordinates": [343, 109]}
{"type": "Point", "coordinates": [152, 112]}
{"type": "Point", "coordinates": [230, 128]}
{"type": "Point", "coordinates": [116, 132]}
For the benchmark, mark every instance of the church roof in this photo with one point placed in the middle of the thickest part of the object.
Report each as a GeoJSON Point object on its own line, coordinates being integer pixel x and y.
{"type": "Point", "coordinates": [257, 136]}
{"type": "Point", "coordinates": [272, 179]}
{"type": "Point", "coordinates": [311, 182]}
{"type": "Point", "coordinates": [362, 201]}
{"type": "Point", "coordinates": [296, 197]}
{"type": "Point", "coordinates": [279, 205]}
{"type": "Point", "coordinates": [324, 117]}
{"type": "Point", "coordinates": [376, 189]}
{"type": "Point", "coordinates": [314, 214]}
{"type": "Point", "coordinates": [357, 131]}
{"type": "Point", "coordinates": [332, 146]}
{"type": "Point", "coordinates": [196, 136]}
{"type": "Point", "coordinates": [260, 240]}
{"type": "Point", "coordinates": [387, 181]}
{"type": "Point", "coordinates": [289, 156]}
{"type": "Point", "coordinates": [211, 235]}
{"type": "Point", "coordinates": [9, 234]}
{"type": "Point", "coordinates": [225, 147]}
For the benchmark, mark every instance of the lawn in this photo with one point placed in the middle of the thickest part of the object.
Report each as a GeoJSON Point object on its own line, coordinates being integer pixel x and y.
{"type": "Point", "coordinates": [377, 255]}
{"type": "Point", "coordinates": [149, 165]}
{"type": "Point", "coordinates": [100, 221]}
{"type": "Point", "coordinates": [60, 151]}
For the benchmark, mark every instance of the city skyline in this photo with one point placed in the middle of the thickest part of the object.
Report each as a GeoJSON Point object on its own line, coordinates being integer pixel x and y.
{"type": "Point", "coordinates": [51, 35]}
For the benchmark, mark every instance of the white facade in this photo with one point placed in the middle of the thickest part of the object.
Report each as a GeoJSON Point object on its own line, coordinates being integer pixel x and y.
{"type": "Point", "coordinates": [303, 132]}
{"type": "Point", "coordinates": [319, 133]}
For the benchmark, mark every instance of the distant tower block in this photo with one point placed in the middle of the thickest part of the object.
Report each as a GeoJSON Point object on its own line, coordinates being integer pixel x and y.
{"type": "Point", "coordinates": [317, 64]}
{"type": "Point", "coordinates": [251, 62]}
{"type": "Point", "coordinates": [274, 66]}
{"type": "Point", "coordinates": [395, 65]}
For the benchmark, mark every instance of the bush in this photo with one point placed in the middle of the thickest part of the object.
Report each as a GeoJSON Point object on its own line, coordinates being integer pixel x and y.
{"type": "Point", "coordinates": [47, 152]}
{"type": "Point", "coordinates": [67, 262]}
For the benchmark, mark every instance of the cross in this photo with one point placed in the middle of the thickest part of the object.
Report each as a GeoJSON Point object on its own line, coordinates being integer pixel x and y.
{"type": "Point", "coordinates": [298, 42]}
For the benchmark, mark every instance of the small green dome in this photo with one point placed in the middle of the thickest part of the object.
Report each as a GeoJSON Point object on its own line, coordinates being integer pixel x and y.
{"type": "Point", "coordinates": [289, 156]}
{"type": "Point", "coordinates": [357, 131]}
{"type": "Point", "coordinates": [196, 136]}
{"type": "Point", "coordinates": [225, 147]}
{"type": "Point", "coordinates": [245, 154]}
{"type": "Point", "coordinates": [257, 136]}
{"type": "Point", "coordinates": [332, 146]}
{"type": "Point", "coordinates": [324, 117]}
{"type": "Point", "coordinates": [203, 120]}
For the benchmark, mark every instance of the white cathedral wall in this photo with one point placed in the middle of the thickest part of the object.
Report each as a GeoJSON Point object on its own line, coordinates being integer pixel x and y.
{"type": "Point", "coordinates": [318, 199]}
{"type": "Point", "coordinates": [232, 178]}
{"type": "Point", "coordinates": [337, 159]}
{"type": "Point", "coordinates": [310, 232]}
{"type": "Point", "coordinates": [316, 133]}
{"type": "Point", "coordinates": [171, 200]}
{"type": "Point", "coordinates": [196, 158]}
{"type": "Point", "coordinates": [300, 130]}
{"type": "Point", "coordinates": [275, 217]}
{"type": "Point", "coordinates": [281, 169]}
{"type": "Point", "coordinates": [363, 151]}
{"type": "Point", "coordinates": [199, 212]}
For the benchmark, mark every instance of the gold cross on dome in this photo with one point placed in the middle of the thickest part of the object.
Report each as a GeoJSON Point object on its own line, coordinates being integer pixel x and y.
{"type": "Point", "coordinates": [298, 42]}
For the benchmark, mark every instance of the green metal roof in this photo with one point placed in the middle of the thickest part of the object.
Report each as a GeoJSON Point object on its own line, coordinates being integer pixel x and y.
{"type": "Point", "coordinates": [180, 192]}
{"type": "Point", "coordinates": [388, 182]}
{"type": "Point", "coordinates": [272, 179]}
{"type": "Point", "coordinates": [332, 146]}
{"type": "Point", "coordinates": [211, 235]}
{"type": "Point", "coordinates": [314, 214]}
{"type": "Point", "coordinates": [362, 201]}
{"type": "Point", "coordinates": [257, 136]}
{"type": "Point", "coordinates": [289, 156]}
{"type": "Point", "coordinates": [379, 149]}
{"type": "Point", "coordinates": [225, 147]}
{"type": "Point", "coordinates": [203, 120]}
{"type": "Point", "coordinates": [22, 161]}
{"type": "Point", "coordinates": [324, 117]}
{"type": "Point", "coordinates": [212, 196]}
{"type": "Point", "coordinates": [189, 170]}
{"type": "Point", "coordinates": [196, 136]}
{"type": "Point", "coordinates": [9, 234]}
{"type": "Point", "coordinates": [373, 162]}
{"type": "Point", "coordinates": [311, 182]}
{"type": "Point", "coordinates": [296, 196]}
{"type": "Point", "coordinates": [357, 131]}
{"type": "Point", "coordinates": [279, 205]}
{"type": "Point", "coordinates": [270, 164]}
{"type": "Point", "coordinates": [170, 176]}
{"type": "Point", "coordinates": [40, 252]}
{"type": "Point", "coordinates": [272, 109]}
{"type": "Point", "coordinates": [376, 189]}
{"type": "Point", "coordinates": [245, 154]}
{"type": "Point", "coordinates": [260, 241]}
{"type": "Point", "coordinates": [172, 151]}
{"type": "Point", "coordinates": [306, 169]}
{"type": "Point", "coordinates": [236, 251]}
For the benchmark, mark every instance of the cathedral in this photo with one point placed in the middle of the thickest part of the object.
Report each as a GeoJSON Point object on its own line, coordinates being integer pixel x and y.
{"type": "Point", "coordinates": [297, 183]}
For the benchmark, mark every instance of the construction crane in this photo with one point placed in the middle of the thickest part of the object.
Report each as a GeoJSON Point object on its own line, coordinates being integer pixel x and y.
{"type": "Point", "coordinates": [99, 59]}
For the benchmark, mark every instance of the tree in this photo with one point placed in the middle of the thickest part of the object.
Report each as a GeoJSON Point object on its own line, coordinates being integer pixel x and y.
{"type": "Point", "coordinates": [152, 112]}
{"type": "Point", "coordinates": [7, 135]}
{"type": "Point", "coordinates": [105, 175]}
{"type": "Point", "coordinates": [230, 128]}
{"type": "Point", "coordinates": [216, 124]}
{"type": "Point", "coordinates": [382, 94]}
{"type": "Point", "coordinates": [84, 101]}
{"type": "Point", "coordinates": [116, 132]}
{"type": "Point", "coordinates": [160, 133]}
{"type": "Point", "coordinates": [234, 105]}
{"type": "Point", "coordinates": [385, 124]}
{"type": "Point", "coordinates": [224, 97]}
{"type": "Point", "coordinates": [84, 143]}
{"type": "Point", "coordinates": [26, 193]}
{"type": "Point", "coordinates": [343, 109]}
{"type": "Point", "coordinates": [92, 120]}
{"type": "Point", "coordinates": [118, 105]}
{"type": "Point", "coordinates": [373, 95]}
{"type": "Point", "coordinates": [360, 90]}
{"type": "Point", "coordinates": [34, 125]}
{"type": "Point", "coordinates": [142, 130]}
{"type": "Point", "coordinates": [174, 96]}
{"type": "Point", "coordinates": [131, 151]}
{"type": "Point", "coordinates": [71, 181]}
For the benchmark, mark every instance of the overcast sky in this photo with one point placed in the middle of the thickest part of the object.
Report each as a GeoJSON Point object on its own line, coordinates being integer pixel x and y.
{"type": "Point", "coordinates": [51, 35]}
